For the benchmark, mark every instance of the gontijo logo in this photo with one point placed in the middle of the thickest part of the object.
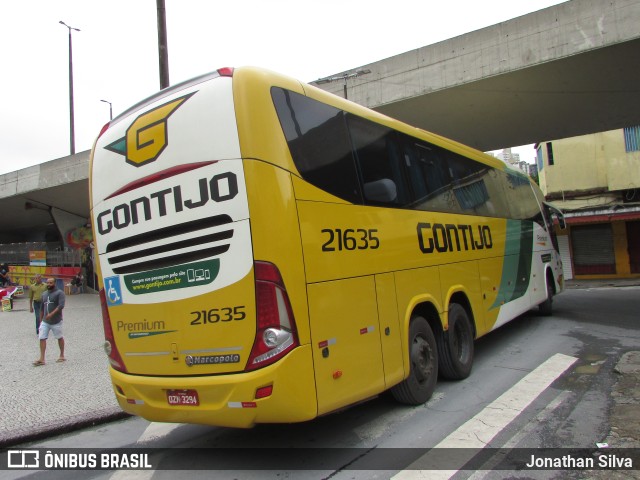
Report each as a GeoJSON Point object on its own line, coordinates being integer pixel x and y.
{"type": "Point", "coordinates": [146, 138]}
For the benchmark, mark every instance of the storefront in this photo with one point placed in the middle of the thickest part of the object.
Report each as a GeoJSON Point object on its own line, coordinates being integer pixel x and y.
{"type": "Point", "coordinates": [602, 244]}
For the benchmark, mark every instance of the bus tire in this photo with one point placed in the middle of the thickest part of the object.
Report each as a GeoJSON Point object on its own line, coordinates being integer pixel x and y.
{"type": "Point", "coordinates": [455, 346]}
{"type": "Point", "coordinates": [546, 308]}
{"type": "Point", "coordinates": [418, 387]}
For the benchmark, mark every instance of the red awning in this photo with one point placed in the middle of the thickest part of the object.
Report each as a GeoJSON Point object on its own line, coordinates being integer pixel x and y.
{"type": "Point", "coordinates": [602, 218]}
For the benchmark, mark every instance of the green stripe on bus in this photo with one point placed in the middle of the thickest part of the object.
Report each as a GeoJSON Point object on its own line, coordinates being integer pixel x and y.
{"type": "Point", "coordinates": [516, 269]}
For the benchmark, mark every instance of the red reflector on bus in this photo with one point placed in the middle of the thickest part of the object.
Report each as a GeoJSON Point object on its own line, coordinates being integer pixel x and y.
{"type": "Point", "coordinates": [104, 129]}
{"type": "Point", "coordinates": [264, 392]}
{"type": "Point", "coordinates": [226, 72]}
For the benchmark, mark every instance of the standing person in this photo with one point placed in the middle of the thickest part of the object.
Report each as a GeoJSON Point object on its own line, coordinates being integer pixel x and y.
{"type": "Point", "coordinates": [4, 275]}
{"type": "Point", "coordinates": [35, 298]}
{"type": "Point", "coordinates": [77, 283]}
{"type": "Point", "coordinates": [51, 316]}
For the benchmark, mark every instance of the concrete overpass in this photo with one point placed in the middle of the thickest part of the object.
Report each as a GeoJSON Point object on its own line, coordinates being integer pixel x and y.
{"type": "Point", "coordinates": [566, 70]}
{"type": "Point", "coordinates": [33, 200]}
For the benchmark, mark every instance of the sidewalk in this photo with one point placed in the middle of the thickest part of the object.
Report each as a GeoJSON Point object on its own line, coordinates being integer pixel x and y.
{"type": "Point", "coordinates": [57, 397]}
{"type": "Point", "coordinates": [37, 402]}
{"type": "Point", "coordinates": [602, 283]}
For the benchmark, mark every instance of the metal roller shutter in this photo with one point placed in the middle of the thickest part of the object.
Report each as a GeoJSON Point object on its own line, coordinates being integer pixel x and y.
{"type": "Point", "coordinates": [593, 251]}
{"type": "Point", "coordinates": [565, 256]}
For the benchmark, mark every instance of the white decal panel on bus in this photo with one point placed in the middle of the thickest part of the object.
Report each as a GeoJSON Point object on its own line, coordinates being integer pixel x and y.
{"type": "Point", "coordinates": [178, 237]}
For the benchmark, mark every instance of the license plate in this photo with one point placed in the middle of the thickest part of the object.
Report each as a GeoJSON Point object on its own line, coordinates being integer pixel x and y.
{"type": "Point", "coordinates": [183, 397]}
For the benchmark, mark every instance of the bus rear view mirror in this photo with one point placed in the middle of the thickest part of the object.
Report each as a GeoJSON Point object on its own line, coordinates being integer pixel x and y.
{"type": "Point", "coordinates": [557, 213]}
{"type": "Point", "coordinates": [562, 222]}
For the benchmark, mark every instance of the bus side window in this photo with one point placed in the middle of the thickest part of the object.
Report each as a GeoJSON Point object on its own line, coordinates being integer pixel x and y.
{"type": "Point", "coordinates": [430, 180]}
{"type": "Point", "coordinates": [319, 143]}
{"type": "Point", "coordinates": [469, 181]}
{"type": "Point", "coordinates": [435, 165]}
{"type": "Point", "coordinates": [412, 161]}
{"type": "Point", "coordinates": [434, 169]}
{"type": "Point", "coordinates": [380, 168]}
{"type": "Point", "coordinates": [521, 198]}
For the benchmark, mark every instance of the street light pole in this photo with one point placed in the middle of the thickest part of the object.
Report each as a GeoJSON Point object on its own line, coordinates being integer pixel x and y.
{"type": "Point", "coordinates": [344, 77]}
{"type": "Point", "coordinates": [110, 108]}
{"type": "Point", "coordinates": [71, 119]}
{"type": "Point", "coordinates": [163, 52]}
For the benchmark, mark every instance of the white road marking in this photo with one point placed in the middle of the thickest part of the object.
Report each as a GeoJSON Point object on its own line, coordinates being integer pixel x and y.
{"type": "Point", "coordinates": [481, 429]}
{"type": "Point", "coordinates": [154, 431]}
{"type": "Point", "coordinates": [513, 442]}
{"type": "Point", "coordinates": [157, 430]}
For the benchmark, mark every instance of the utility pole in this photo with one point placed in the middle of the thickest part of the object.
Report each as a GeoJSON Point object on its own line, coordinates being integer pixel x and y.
{"type": "Point", "coordinates": [163, 53]}
{"type": "Point", "coordinates": [72, 134]}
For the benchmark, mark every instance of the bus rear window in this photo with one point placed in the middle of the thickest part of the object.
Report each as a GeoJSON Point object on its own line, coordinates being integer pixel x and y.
{"type": "Point", "coordinates": [319, 143]}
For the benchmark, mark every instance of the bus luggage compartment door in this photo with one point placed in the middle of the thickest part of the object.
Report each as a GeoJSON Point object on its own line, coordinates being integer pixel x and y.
{"type": "Point", "coordinates": [345, 336]}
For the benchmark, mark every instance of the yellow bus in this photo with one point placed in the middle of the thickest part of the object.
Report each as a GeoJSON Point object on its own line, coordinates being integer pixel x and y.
{"type": "Point", "coordinates": [269, 252]}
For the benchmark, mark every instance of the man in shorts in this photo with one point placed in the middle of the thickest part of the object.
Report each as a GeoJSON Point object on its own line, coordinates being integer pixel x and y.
{"type": "Point", "coordinates": [51, 320]}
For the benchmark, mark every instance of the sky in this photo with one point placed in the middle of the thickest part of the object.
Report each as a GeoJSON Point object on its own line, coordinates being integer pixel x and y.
{"type": "Point", "coordinates": [115, 53]}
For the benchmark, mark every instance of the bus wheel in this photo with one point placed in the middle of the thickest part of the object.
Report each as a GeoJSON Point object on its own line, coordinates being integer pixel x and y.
{"type": "Point", "coordinates": [546, 307]}
{"type": "Point", "coordinates": [423, 353]}
{"type": "Point", "coordinates": [455, 346]}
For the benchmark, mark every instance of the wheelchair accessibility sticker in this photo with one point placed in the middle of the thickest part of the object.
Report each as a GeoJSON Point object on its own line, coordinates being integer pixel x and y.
{"type": "Point", "coordinates": [113, 291]}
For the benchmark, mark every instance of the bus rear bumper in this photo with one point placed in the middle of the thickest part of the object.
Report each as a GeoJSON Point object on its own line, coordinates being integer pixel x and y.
{"type": "Point", "coordinates": [226, 400]}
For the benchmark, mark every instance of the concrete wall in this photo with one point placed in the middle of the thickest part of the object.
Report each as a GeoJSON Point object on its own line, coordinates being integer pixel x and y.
{"type": "Point", "coordinates": [50, 174]}
{"type": "Point", "coordinates": [591, 165]}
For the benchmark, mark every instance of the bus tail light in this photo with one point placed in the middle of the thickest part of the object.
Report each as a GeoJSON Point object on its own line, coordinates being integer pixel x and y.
{"type": "Point", "coordinates": [276, 333]}
{"type": "Point", "coordinates": [109, 341]}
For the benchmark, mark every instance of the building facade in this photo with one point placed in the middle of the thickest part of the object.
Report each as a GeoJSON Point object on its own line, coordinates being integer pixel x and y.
{"type": "Point", "coordinates": [507, 156]}
{"type": "Point", "coordinates": [513, 159]}
{"type": "Point", "coordinates": [595, 180]}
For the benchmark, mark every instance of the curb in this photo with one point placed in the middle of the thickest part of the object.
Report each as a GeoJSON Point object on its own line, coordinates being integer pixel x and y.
{"type": "Point", "coordinates": [587, 284]}
{"type": "Point", "coordinates": [62, 426]}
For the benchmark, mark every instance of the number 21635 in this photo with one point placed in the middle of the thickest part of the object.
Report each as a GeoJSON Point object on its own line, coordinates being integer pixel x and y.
{"type": "Point", "coordinates": [337, 239]}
